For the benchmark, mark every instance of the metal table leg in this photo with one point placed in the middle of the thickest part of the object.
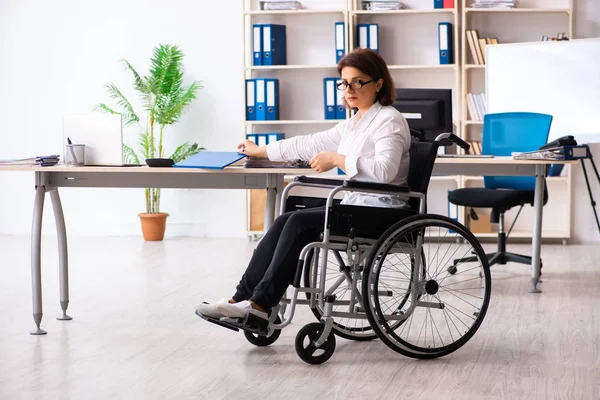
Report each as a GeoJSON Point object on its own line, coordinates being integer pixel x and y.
{"type": "Point", "coordinates": [36, 261]}
{"type": "Point", "coordinates": [271, 200]}
{"type": "Point", "coordinates": [63, 257]}
{"type": "Point", "coordinates": [540, 173]}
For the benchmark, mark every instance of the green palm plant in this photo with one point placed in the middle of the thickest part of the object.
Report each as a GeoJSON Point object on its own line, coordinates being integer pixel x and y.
{"type": "Point", "coordinates": [164, 99]}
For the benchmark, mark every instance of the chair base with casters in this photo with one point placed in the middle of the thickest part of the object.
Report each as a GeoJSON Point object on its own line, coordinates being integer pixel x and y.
{"type": "Point", "coordinates": [379, 273]}
{"type": "Point", "coordinates": [500, 201]}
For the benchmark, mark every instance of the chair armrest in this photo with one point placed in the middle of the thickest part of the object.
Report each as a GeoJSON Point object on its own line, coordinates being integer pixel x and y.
{"type": "Point", "coordinates": [318, 181]}
{"type": "Point", "coordinates": [376, 186]}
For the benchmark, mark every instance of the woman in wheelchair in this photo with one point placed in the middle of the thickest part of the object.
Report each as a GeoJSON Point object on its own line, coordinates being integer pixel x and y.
{"type": "Point", "coordinates": [380, 269]}
{"type": "Point", "coordinates": [373, 145]}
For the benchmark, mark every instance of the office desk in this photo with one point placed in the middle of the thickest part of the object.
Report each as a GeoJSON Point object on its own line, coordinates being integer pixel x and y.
{"type": "Point", "coordinates": [49, 179]}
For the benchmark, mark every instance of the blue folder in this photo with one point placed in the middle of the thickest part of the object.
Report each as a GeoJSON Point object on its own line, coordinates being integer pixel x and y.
{"type": "Point", "coordinates": [210, 159]}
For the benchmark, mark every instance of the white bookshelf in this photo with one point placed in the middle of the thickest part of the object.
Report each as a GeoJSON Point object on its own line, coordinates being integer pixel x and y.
{"type": "Point", "coordinates": [408, 43]}
{"type": "Point", "coordinates": [531, 20]}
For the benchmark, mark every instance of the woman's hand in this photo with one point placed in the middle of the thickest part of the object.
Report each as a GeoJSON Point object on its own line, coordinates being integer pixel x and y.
{"type": "Point", "coordinates": [326, 160]}
{"type": "Point", "coordinates": [251, 149]}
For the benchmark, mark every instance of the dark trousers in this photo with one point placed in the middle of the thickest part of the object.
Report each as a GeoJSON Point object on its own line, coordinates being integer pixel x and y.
{"type": "Point", "coordinates": [273, 265]}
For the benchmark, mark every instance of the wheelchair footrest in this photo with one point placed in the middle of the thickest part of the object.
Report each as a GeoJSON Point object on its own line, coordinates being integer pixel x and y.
{"type": "Point", "coordinates": [250, 323]}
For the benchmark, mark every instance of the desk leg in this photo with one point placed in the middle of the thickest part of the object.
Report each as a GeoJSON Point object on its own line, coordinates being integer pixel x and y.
{"type": "Point", "coordinates": [271, 201]}
{"type": "Point", "coordinates": [537, 228]}
{"type": "Point", "coordinates": [36, 260]}
{"type": "Point", "coordinates": [63, 256]}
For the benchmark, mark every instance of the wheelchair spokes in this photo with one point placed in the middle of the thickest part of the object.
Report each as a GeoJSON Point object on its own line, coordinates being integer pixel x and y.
{"type": "Point", "coordinates": [427, 312]}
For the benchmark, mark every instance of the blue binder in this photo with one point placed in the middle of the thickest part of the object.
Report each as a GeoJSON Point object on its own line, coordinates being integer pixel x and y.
{"type": "Point", "coordinates": [272, 99]}
{"type": "Point", "coordinates": [257, 43]}
{"type": "Point", "coordinates": [274, 47]}
{"type": "Point", "coordinates": [374, 37]}
{"type": "Point", "coordinates": [445, 42]}
{"type": "Point", "coordinates": [252, 137]}
{"type": "Point", "coordinates": [329, 96]}
{"type": "Point", "coordinates": [261, 105]}
{"type": "Point", "coordinates": [362, 39]}
{"type": "Point", "coordinates": [210, 159]}
{"type": "Point", "coordinates": [250, 100]}
{"type": "Point", "coordinates": [438, 3]}
{"type": "Point", "coordinates": [340, 109]}
{"type": "Point", "coordinates": [340, 41]}
{"type": "Point", "coordinates": [274, 137]}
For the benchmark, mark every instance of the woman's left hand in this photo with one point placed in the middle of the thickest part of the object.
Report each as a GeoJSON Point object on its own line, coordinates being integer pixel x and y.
{"type": "Point", "coordinates": [326, 160]}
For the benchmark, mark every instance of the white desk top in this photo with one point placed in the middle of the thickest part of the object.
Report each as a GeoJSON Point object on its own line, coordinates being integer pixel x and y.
{"type": "Point", "coordinates": [242, 170]}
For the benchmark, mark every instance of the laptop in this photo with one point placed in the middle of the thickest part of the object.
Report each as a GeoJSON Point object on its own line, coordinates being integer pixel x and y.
{"type": "Point", "coordinates": [102, 135]}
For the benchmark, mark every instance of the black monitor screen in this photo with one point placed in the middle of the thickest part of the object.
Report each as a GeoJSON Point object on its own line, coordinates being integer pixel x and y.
{"type": "Point", "coordinates": [427, 111]}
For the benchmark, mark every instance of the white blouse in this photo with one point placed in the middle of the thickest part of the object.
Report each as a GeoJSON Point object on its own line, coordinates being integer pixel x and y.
{"type": "Point", "coordinates": [376, 147]}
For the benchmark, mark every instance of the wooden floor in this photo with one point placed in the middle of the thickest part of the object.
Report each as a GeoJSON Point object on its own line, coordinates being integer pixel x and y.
{"type": "Point", "coordinates": [134, 334]}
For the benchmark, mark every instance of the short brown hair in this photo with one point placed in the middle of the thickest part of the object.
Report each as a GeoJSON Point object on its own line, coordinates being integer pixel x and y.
{"type": "Point", "coordinates": [371, 63]}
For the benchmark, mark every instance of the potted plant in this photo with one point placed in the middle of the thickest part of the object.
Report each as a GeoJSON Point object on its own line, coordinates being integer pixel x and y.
{"type": "Point", "coordinates": [164, 99]}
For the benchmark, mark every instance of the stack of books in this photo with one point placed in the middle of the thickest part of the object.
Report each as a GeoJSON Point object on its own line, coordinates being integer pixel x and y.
{"type": "Point", "coordinates": [475, 147]}
{"type": "Point", "coordinates": [477, 45]}
{"type": "Point", "coordinates": [279, 5]}
{"type": "Point", "coordinates": [382, 5]}
{"type": "Point", "coordinates": [476, 106]}
{"type": "Point", "coordinates": [494, 4]}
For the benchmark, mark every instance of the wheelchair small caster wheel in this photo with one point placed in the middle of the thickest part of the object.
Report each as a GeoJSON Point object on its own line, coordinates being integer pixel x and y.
{"type": "Point", "coordinates": [262, 340]}
{"type": "Point", "coordinates": [306, 349]}
{"type": "Point", "coordinates": [452, 270]}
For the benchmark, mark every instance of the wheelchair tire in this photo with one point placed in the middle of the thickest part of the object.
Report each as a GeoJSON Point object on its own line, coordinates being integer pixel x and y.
{"type": "Point", "coordinates": [448, 320]}
{"type": "Point", "coordinates": [340, 327]}
{"type": "Point", "coordinates": [263, 340]}
{"type": "Point", "coordinates": [305, 348]}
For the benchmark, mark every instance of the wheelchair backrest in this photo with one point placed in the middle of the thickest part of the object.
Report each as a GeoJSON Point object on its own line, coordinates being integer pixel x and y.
{"type": "Point", "coordinates": [422, 158]}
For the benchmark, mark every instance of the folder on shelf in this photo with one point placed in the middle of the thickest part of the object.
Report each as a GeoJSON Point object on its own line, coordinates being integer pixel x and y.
{"type": "Point", "coordinates": [475, 36]}
{"type": "Point", "coordinates": [438, 3]}
{"type": "Point", "coordinates": [362, 39]}
{"type": "Point", "coordinates": [261, 139]}
{"type": "Point", "coordinates": [340, 108]}
{"type": "Point", "coordinates": [448, 3]}
{"type": "Point", "coordinates": [252, 137]}
{"type": "Point", "coordinates": [374, 37]}
{"type": "Point", "coordinates": [272, 99]}
{"type": "Point", "coordinates": [210, 159]}
{"type": "Point", "coordinates": [261, 113]}
{"type": "Point", "coordinates": [340, 41]}
{"type": "Point", "coordinates": [329, 95]}
{"type": "Point", "coordinates": [274, 137]}
{"type": "Point", "coordinates": [257, 42]}
{"type": "Point", "coordinates": [250, 100]}
{"type": "Point", "coordinates": [445, 42]}
{"type": "Point", "coordinates": [274, 46]}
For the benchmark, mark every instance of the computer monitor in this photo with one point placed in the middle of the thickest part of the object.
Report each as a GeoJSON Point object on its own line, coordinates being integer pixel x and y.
{"type": "Point", "coordinates": [427, 111]}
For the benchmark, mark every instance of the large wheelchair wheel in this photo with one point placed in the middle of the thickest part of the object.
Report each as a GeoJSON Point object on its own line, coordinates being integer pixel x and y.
{"type": "Point", "coordinates": [339, 282]}
{"type": "Point", "coordinates": [426, 313]}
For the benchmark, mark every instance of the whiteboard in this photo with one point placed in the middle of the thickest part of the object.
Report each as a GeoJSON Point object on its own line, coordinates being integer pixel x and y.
{"type": "Point", "coordinates": [560, 78]}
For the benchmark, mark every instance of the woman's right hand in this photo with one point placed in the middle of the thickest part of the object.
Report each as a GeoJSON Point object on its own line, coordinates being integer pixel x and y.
{"type": "Point", "coordinates": [251, 149]}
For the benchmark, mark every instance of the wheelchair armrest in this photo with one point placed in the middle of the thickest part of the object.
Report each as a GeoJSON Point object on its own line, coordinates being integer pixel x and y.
{"type": "Point", "coordinates": [376, 186]}
{"type": "Point", "coordinates": [318, 181]}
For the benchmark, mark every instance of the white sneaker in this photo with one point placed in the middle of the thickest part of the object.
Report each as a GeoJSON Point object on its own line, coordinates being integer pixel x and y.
{"type": "Point", "coordinates": [239, 310]}
{"type": "Point", "coordinates": [210, 310]}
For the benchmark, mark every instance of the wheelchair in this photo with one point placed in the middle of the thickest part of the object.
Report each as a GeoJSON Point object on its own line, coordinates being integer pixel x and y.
{"type": "Point", "coordinates": [381, 273]}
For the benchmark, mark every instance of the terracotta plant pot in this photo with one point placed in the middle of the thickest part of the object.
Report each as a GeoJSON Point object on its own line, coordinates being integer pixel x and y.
{"type": "Point", "coordinates": [153, 226]}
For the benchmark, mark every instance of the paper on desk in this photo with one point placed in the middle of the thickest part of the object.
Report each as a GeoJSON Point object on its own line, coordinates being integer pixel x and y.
{"type": "Point", "coordinates": [537, 155]}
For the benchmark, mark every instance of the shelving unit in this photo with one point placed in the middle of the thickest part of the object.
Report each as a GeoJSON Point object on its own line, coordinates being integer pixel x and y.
{"type": "Point", "coordinates": [408, 42]}
{"type": "Point", "coordinates": [529, 22]}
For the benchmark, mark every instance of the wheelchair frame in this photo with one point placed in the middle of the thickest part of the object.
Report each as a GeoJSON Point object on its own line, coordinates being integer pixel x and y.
{"type": "Point", "coordinates": [358, 251]}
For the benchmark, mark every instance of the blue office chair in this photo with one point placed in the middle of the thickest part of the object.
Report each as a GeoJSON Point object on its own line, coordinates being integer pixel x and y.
{"type": "Point", "coordinates": [503, 134]}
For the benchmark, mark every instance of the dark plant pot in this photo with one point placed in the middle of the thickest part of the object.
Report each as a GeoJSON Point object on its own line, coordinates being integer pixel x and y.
{"type": "Point", "coordinates": [159, 162]}
{"type": "Point", "coordinates": [153, 226]}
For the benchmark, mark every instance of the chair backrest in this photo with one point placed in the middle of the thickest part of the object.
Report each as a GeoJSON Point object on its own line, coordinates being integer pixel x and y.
{"type": "Point", "coordinates": [422, 159]}
{"type": "Point", "coordinates": [505, 133]}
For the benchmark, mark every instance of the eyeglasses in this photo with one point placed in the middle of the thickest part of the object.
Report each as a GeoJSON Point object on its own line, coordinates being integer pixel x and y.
{"type": "Point", "coordinates": [353, 85]}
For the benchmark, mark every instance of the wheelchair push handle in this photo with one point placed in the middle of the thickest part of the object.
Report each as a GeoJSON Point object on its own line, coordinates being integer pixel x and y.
{"type": "Point", "coordinates": [454, 139]}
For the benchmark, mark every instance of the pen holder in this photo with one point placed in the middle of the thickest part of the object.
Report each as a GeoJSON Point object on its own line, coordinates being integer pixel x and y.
{"type": "Point", "coordinates": [75, 155]}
